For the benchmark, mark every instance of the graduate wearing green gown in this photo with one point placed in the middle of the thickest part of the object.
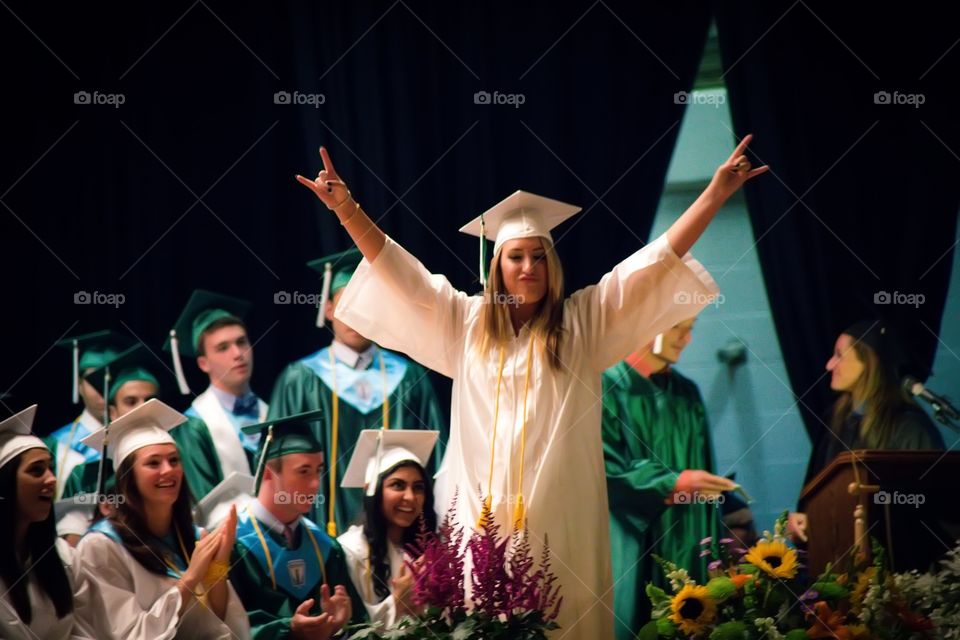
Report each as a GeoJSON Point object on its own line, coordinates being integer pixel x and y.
{"type": "Point", "coordinates": [291, 576]}
{"type": "Point", "coordinates": [90, 351]}
{"type": "Point", "coordinates": [659, 458]}
{"type": "Point", "coordinates": [211, 332]}
{"type": "Point", "coordinates": [349, 380]}
{"type": "Point", "coordinates": [133, 382]}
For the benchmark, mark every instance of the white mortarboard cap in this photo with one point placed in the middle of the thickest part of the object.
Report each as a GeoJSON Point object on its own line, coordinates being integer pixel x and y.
{"type": "Point", "coordinates": [215, 506]}
{"type": "Point", "coordinates": [379, 449]}
{"type": "Point", "coordinates": [146, 425]}
{"type": "Point", "coordinates": [16, 435]}
{"type": "Point", "coordinates": [75, 513]}
{"type": "Point", "coordinates": [520, 215]}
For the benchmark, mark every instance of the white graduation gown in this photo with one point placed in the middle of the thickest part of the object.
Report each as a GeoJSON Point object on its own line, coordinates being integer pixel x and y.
{"type": "Point", "coordinates": [44, 624]}
{"type": "Point", "coordinates": [357, 552]}
{"type": "Point", "coordinates": [400, 305]}
{"type": "Point", "coordinates": [120, 600]}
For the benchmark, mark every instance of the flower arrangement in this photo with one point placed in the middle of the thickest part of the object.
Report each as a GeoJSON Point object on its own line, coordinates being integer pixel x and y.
{"type": "Point", "coordinates": [511, 596]}
{"type": "Point", "coordinates": [760, 593]}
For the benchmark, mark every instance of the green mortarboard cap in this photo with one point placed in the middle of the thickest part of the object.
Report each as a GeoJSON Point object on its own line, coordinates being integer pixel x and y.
{"type": "Point", "coordinates": [337, 269]}
{"type": "Point", "coordinates": [93, 350]}
{"type": "Point", "coordinates": [284, 436]}
{"type": "Point", "coordinates": [203, 309]}
{"type": "Point", "coordinates": [135, 363]}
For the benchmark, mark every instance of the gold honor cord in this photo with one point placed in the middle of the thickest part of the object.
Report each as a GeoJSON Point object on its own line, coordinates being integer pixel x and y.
{"type": "Point", "coordinates": [266, 550]}
{"type": "Point", "coordinates": [335, 428]}
{"type": "Point", "coordinates": [519, 510]}
{"type": "Point", "coordinates": [386, 400]}
{"type": "Point", "coordinates": [331, 522]}
{"type": "Point", "coordinates": [487, 502]}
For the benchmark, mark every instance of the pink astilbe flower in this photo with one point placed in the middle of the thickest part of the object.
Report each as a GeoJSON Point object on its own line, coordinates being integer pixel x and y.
{"type": "Point", "coordinates": [508, 588]}
{"type": "Point", "coordinates": [438, 572]}
{"type": "Point", "coordinates": [530, 590]}
{"type": "Point", "coordinates": [488, 577]}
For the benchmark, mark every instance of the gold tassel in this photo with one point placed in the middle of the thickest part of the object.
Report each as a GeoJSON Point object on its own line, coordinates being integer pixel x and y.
{"type": "Point", "coordinates": [519, 514]}
{"type": "Point", "coordinates": [486, 513]}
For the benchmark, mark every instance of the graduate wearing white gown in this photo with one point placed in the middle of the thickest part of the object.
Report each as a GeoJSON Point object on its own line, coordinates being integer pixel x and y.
{"type": "Point", "coordinates": [121, 599]}
{"type": "Point", "coordinates": [387, 459]}
{"type": "Point", "coordinates": [31, 530]}
{"type": "Point", "coordinates": [547, 417]}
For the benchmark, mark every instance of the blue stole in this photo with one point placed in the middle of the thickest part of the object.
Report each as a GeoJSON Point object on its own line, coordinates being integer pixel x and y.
{"type": "Point", "coordinates": [362, 390]}
{"type": "Point", "coordinates": [168, 547]}
{"type": "Point", "coordinates": [298, 571]}
{"type": "Point", "coordinates": [60, 435]}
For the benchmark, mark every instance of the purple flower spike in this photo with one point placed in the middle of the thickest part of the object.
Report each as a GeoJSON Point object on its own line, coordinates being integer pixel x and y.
{"type": "Point", "coordinates": [706, 540]}
{"type": "Point", "coordinates": [715, 565]}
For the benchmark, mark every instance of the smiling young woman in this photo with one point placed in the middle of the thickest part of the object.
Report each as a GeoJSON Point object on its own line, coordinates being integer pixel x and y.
{"type": "Point", "coordinates": [147, 572]}
{"type": "Point", "coordinates": [36, 598]}
{"type": "Point", "coordinates": [391, 467]}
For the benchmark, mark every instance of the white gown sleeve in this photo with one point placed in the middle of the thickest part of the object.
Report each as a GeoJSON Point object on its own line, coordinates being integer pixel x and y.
{"type": "Point", "coordinates": [106, 601]}
{"type": "Point", "coordinates": [398, 304]}
{"type": "Point", "coordinates": [644, 295]}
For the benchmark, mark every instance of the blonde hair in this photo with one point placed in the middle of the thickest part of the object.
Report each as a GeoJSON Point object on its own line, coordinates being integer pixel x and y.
{"type": "Point", "coordinates": [546, 324]}
{"type": "Point", "coordinates": [884, 400]}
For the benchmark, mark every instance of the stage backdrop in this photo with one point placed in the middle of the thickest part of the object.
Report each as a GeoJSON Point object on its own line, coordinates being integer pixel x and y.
{"type": "Point", "coordinates": [149, 150]}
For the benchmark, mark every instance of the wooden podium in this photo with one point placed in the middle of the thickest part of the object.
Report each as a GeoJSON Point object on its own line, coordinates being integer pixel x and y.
{"type": "Point", "coordinates": [908, 500]}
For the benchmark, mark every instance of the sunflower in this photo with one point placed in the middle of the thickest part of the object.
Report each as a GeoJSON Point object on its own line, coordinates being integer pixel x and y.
{"type": "Point", "coordinates": [864, 580]}
{"type": "Point", "coordinates": [693, 609]}
{"type": "Point", "coordinates": [774, 558]}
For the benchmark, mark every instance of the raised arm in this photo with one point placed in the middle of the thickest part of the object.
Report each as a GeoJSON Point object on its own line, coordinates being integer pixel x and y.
{"type": "Point", "coordinates": [729, 177]}
{"type": "Point", "coordinates": [333, 192]}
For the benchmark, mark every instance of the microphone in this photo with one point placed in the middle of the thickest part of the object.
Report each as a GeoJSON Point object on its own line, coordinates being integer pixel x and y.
{"type": "Point", "coordinates": [942, 409]}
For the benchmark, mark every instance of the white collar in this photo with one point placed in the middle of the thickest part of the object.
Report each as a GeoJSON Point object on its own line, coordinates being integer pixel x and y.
{"type": "Point", "coordinates": [89, 420]}
{"type": "Point", "coordinates": [261, 513]}
{"type": "Point", "coordinates": [351, 358]}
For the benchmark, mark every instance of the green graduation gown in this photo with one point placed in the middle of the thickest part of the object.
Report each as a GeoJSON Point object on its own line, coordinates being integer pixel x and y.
{"type": "Point", "coordinates": [83, 478]}
{"type": "Point", "coordinates": [201, 465]}
{"type": "Point", "coordinates": [651, 432]}
{"type": "Point", "coordinates": [270, 609]}
{"type": "Point", "coordinates": [303, 386]}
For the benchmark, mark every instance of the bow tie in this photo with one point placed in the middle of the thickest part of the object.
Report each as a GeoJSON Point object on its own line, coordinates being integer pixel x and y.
{"type": "Point", "coordinates": [246, 406]}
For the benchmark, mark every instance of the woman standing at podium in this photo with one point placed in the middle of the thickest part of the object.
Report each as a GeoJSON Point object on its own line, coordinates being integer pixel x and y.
{"type": "Point", "coordinates": [871, 410]}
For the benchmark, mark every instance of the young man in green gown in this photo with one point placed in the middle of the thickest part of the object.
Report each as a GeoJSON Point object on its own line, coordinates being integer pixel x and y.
{"type": "Point", "coordinates": [658, 453]}
{"type": "Point", "coordinates": [291, 576]}
{"type": "Point", "coordinates": [211, 331]}
{"type": "Point", "coordinates": [359, 386]}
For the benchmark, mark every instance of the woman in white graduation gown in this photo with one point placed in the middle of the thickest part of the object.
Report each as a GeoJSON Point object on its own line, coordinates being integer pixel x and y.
{"type": "Point", "coordinates": [36, 567]}
{"type": "Point", "coordinates": [390, 466]}
{"type": "Point", "coordinates": [526, 364]}
{"type": "Point", "coordinates": [146, 574]}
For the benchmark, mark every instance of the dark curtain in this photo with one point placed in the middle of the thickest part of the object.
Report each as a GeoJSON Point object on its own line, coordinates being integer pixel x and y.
{"type": "Point", "coordinates": [853, 107]}
{"type": "Point", "coordinates": [189, 182]}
